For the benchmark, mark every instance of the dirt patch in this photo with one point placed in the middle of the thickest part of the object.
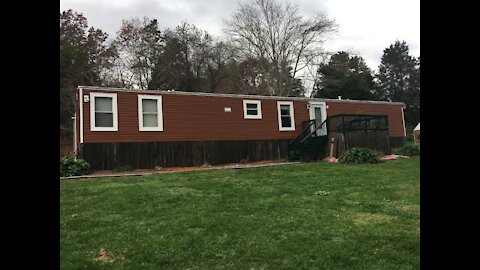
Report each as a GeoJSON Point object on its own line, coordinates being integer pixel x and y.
{"type": "Point", "coordinates": [105, 257]}
{"type": "Point", "coordinates": [186, 169]}
{"type": "Point", "coordinates": [369, 218]}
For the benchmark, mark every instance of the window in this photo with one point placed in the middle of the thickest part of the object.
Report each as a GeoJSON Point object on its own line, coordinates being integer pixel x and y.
{"type": "Point", "coordinates": [150, 116]}
{"type": "Point", "coordinates": [286, 119]}
{"type": "Point", "coordinates": [252, 109]}
{"type": "Point", "coordinates": [103, 112]}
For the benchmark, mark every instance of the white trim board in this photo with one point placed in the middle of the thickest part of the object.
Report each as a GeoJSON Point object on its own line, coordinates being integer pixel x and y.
{"type": "Point", "coordinates": [159, 126]}
{"type": "Point", "coordinates": [324, 109]}
{"type": "Point", "coordinates": [259, 109]}
{"type": "Point", "coordinates": [292, 116]}
{"type": "Point", "coordinates": [75, 134]}
{"type": "Point", "coordinates": [93, 95]}
{"type": "Point", "coordinates": [168, 92]}
{"type": "Point", "coordinates": [323, 106]}
{"type": "Point", "coordinates": [80, 102]}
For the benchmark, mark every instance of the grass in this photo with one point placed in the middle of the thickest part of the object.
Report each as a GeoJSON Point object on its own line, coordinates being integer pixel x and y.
{"type": "Point", "coordinates": [306, 216]}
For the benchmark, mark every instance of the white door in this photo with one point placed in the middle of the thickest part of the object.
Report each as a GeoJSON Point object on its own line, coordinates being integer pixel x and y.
{"type": "Point", "coordinates": [319, 114]}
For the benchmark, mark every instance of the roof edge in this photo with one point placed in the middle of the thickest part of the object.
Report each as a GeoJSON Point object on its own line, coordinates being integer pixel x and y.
{"type": "Point", "coordinates": [174, 92]}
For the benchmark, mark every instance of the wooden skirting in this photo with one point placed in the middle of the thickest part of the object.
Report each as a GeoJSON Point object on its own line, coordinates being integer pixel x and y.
{"type": "Point", "coordinates": [146, 155]}
{"type": "Point", "coordinates": [378, 140]}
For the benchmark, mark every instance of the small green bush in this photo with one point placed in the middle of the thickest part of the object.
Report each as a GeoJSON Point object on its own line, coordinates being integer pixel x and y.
{"type": "Point", "coordinates": [70, 166]}
{"type": "Point", "coordinates": [410, 150]}
{"type": "Point", "coordinates": [358, 155]}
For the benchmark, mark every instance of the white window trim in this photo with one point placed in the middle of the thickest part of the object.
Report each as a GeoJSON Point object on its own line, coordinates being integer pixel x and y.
{"type": "Point", "coordinates": [259, 109]}
{"type": "Point", "coordinates": [92, 111]}
{"type": "Point", "coordinates": [292, 116]}
{"type": "Point", "coordinates": [159, 126]}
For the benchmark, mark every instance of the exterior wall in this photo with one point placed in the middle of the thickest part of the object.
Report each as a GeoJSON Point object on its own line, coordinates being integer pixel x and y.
{"type": "Point", "coordinates": [202, 118]}
{"type": "Point", "coordinates": [196, 129]}
{"type": "Point", "coordinates": [393, 111]}
{"type": "Point", "coordinates": [195, 118]}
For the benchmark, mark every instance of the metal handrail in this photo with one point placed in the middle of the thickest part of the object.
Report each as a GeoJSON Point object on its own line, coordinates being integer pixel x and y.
{"type": "Point", "coordinates": [302, 137]}
{"type": "Point", "coordinates": [301, 133]}
{"type": "Point", "coordinates": [315, 130]}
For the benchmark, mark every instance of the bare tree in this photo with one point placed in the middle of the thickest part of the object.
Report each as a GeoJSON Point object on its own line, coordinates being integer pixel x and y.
{"type": "Point", "coordinates": [139, 43]}
{"type": "Point", "coordinates": [220, 56]}
{"type": "Point", "coordinates": [183, 63]}
{"type": "Point", "coordinates": [266, 29]}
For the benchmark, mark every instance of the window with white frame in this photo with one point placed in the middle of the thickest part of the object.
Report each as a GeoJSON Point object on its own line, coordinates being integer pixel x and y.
{"type": "Point", "coordinates": [150, 117]}
{"type": "Point", "coordinates": [103, 112]}
{"type": "Point", "coordinates": [252, 109]}
{"type": "Point", "coordinates": [286, 119]}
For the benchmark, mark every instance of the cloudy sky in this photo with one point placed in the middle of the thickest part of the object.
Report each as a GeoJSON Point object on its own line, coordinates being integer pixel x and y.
{"type": "Point", "coordinates": [366, 27]}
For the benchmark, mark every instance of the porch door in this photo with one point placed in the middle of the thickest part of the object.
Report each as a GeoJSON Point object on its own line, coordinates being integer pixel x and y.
{"type": "Point", "coordinates": [318, 113]}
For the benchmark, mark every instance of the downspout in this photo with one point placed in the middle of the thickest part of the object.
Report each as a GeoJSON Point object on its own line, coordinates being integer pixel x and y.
{"type": "Point", "coordinates": [75, 134]}
{"type": "Point", "coordinates": [403, 118]}
{"type": "Point", "coordinates": [80, 102]}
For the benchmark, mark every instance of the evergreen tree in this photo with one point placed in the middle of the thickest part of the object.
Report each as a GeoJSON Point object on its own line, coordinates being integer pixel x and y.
{"type": "Point", "coordinates": [344, 76]}
{"type": "Point", "coordinates": [399, 80]}
{"type": "Point", "coordinates": [85, 57]}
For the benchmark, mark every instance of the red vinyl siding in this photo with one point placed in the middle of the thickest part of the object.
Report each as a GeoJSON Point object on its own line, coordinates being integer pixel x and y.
{"type": "Point", "coordinates": [195, 118]}
{"type": "Point", "coordinates": [202, 118]}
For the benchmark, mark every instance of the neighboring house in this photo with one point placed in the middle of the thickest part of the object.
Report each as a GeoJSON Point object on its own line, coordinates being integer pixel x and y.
{"type": "Point", "coordinates": [144, 129]}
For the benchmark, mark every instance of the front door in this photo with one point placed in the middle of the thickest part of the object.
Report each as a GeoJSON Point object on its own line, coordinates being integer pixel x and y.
{"type": "Point", "coordinates": [319, 114]}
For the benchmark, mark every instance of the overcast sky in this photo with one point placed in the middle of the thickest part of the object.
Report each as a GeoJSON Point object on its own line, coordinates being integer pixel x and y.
{"type": "Point", "coordinates": [366, 27]}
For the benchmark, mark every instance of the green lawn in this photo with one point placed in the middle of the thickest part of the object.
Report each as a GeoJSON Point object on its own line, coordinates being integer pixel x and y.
{"type": "Point", "coordinates": [304, 216]}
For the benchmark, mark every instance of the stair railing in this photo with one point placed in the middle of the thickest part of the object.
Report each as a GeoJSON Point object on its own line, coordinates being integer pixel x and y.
{"type": "Point", "coordinates": [315, 130]}
{"type": "Point", "coordinates": [307, 132]}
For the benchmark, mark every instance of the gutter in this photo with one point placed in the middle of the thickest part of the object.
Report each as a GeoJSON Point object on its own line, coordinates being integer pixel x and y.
{"type": "Point", "coordinates": [80, 102]}
{"type": "Point", "coordinates": [171, 92]}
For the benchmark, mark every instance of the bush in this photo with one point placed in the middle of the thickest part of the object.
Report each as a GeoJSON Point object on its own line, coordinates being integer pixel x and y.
{"type": "Point", "coordinates": [70, 166]}
{"type": "Point", "coordinates": [357, 155]}
{"type": "Point", "coordinates": [410, 150]}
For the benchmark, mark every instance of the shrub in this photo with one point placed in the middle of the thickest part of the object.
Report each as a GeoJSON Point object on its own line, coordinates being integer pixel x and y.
{"type": "Point", "coordinates": [410, 150]}
{"type": "Point", "coordinates": [357, 155]}
{"type": "Point", "coordinates": [70, 166]}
